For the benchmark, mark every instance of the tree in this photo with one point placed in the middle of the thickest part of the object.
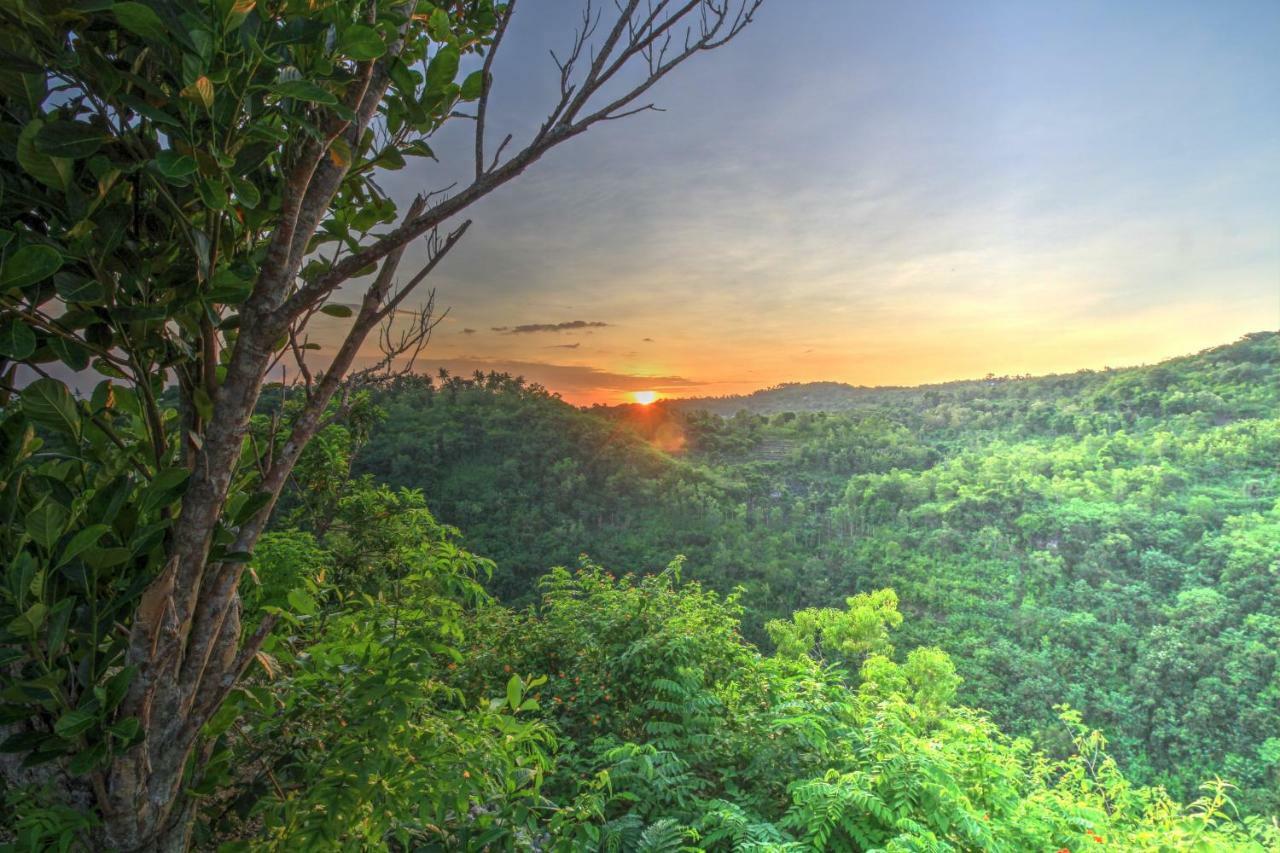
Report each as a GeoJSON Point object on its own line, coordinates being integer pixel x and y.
{"type": "Point", "coordinates": [185, 187]}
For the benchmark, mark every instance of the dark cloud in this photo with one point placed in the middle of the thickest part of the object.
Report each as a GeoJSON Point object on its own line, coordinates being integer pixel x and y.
{"type": "Point", "coordinates": [468, 331]}
{"type": "Point", "coordinates": [648, 340]}
{"type": "Point", "coordinates": [567, 326]}
{"type": "Point", "coordinates": [565, 346]}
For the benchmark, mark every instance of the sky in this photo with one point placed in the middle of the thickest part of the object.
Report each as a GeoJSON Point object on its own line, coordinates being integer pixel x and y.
{"type": "Point", "coordinates": [879, 193]}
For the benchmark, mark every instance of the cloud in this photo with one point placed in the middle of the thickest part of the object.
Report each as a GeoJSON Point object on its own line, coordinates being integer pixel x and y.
{"type": "Point", "coordinates": [567, 326]}
{"type": "Point", "coordinates": [468, 331]}
{"type": "Point", "coordinates": [648, 340]}
{"type": "Point", "coordinates": [565, 346]}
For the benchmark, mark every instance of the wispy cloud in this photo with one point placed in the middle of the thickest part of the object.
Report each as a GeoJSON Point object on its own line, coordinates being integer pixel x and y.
{"type": "Point", "coordinates": [567, 326]}
{"type": "Point", "coordinates": [565, 346]}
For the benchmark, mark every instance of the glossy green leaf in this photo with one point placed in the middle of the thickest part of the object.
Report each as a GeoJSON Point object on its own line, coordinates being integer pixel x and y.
{"type": "Point", "coordinates": [53, 172]}
{"type": "Point", "coordinates": [73, 355]}
{"type": "Point", "coordinates": [46, 523]}
{"type": "Point", "coordinates": [473, 86]}
{"type": "Point", "coordinates": [304, 90]}
{"type": "Point", "coordinates": [29, 623]}
{"type": "Point", "coordinates": [442, 69]}
{"type": "Point", "coordinates": [74, 723]}
{"type": "Point", "coordinates": [29, 265]}
{"type": "Point", "coordinates": [49, 404]}
{"type": "Point", "coordinates": [142, 20]}
{"type": "Point", "coordinates": [166, 486]}
{"type": "Point", "coordinates": [75, 288]}
{"type": "Point", "coordinates": [89, 760]}
{"type": "Point", "coordinates": [438, 24]}
{"type": "Point", "coordinates": [17, 341]}
{"type": "Point", "coordinates": [81, 542]}
{"type": "Point", "coordinates": [73, 140]}
{"type": "Point", "coordinates": [361, 42]}
{"type": "Point", "coordinates": [175, 165]}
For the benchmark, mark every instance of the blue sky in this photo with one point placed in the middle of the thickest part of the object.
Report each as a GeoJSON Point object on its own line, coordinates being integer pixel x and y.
{"type": "Point", "coordinates": [884, 193]}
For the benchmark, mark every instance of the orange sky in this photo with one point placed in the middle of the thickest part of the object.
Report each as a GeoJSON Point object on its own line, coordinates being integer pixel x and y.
{"type": "Point", "coordinates": [608, 366]}
{"type": "Point", "coordinates": [975, 188]}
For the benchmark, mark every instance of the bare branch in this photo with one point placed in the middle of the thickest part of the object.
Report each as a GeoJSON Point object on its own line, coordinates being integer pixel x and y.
{"type": "Point", "coordinates": [486, 83]}
{"type": "Point", "coordinates": [634, 36]}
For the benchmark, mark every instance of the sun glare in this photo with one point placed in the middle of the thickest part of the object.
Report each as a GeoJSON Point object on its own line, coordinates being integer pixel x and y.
{"type": "Point", "coordinates": [644, 398]}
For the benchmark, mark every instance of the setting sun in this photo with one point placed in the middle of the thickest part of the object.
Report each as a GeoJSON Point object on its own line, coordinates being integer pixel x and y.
{"type": "Point", "coordinates": [644, 398]}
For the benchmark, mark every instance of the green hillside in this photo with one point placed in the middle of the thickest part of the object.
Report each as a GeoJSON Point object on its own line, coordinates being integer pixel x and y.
{"type": "Point", "coordinates": [1102, 539]}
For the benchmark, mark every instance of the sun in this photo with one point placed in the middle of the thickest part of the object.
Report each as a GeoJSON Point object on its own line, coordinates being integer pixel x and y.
{"type": "Point", "coordinates": [644, 398]}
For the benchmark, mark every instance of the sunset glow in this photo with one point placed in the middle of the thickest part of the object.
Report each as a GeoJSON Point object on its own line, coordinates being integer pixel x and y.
{"type": "Point", "coordinates": [644, 398]}
{"type": "Point", "coordinates": [960, 223]}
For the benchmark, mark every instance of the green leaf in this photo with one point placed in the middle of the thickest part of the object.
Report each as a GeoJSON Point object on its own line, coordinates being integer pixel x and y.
{"type": "Point", "coordinates": [302, 602]}
{"type": "Point", "coordinates": [142, 108]}
{"type": "Point", "coordinates": [442, 69]}
{"type": "Point", "coordinates": [213, 194]}
{"type": "Point", "coordinates": [203, 403]}
{"type": "Point", "coordinates": [74, 288]}
{"type": "Point", "coordinates": [49, 404]}
{"type": "Point", "coordinates": [89, 760]}
{"type": "Point", "coordinates": [71, 354]}
{"type": "Point", "coordinates": [29, 265]}
{"type": "Point", "coordinates": [81, 542]}
{"type": "Point", "coordinates": [127, 729]}
{"type": "Point", "coordinates": [246, 192]}
{"type": "Point", "coordinates": [174, 165]}
{"type": "Point", "coordinates": [140, 19]}
{"type": "Point", "coordinates": [73, 140]}
{"type": "Point", "coordinates": [336, 309]}
{"type": "Point", "coordinates": [104, 558]}
{"type": "Point", "coordinates": [54, 172]}
{"type": "Point", "coordinates": [116, 687]}
{"type": "Point", "coordinates": [167, 485]}
{"type": "Point", "coordinates": [29, 623]}
{"type": "Point", "coordinates": [46, 523]}
{"type": "Point", "coordinates": [74, 723]}
{"type": "Point", "coordinates": [438, 24]}
{"type": "Point", "coordinates": [473, 86]}
{"type": "Point", "coordinates": [59, 620]}
{"type": "Point", "coordinates": [514, 692]}
{"type": "Point", "coordinates": [304, 90]}
{"type": "Point", "coordinates": [228, 288]}
{"type": "Point", "coordinates": [418, 148]}
{"type": "Point", "coordinates": [390, 159]}
{"type": "Point", "coordinates": [17, 341]}
{"type": "Point", "coordinates": [361, 43]}
{"type": "Point", "coordinates": [250, 507]}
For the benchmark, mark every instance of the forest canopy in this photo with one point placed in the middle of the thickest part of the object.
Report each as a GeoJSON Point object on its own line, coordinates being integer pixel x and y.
{"type": "Point", "coordinates": [371, 608]}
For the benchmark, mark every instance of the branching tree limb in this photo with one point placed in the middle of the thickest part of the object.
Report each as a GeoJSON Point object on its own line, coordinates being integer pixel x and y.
{"type": "Point", "coordinates": [202, 259]}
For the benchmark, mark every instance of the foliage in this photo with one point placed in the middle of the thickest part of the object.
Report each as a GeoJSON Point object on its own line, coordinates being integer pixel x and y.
{"type": "Point", "coordinates": [672, 727]}
{"type": "Point", "coordinates": [354, 738]}
{"type": "Point", "coordinates": [1105, 538]}
{"type": "Point", "coordinates": [184, 187]}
